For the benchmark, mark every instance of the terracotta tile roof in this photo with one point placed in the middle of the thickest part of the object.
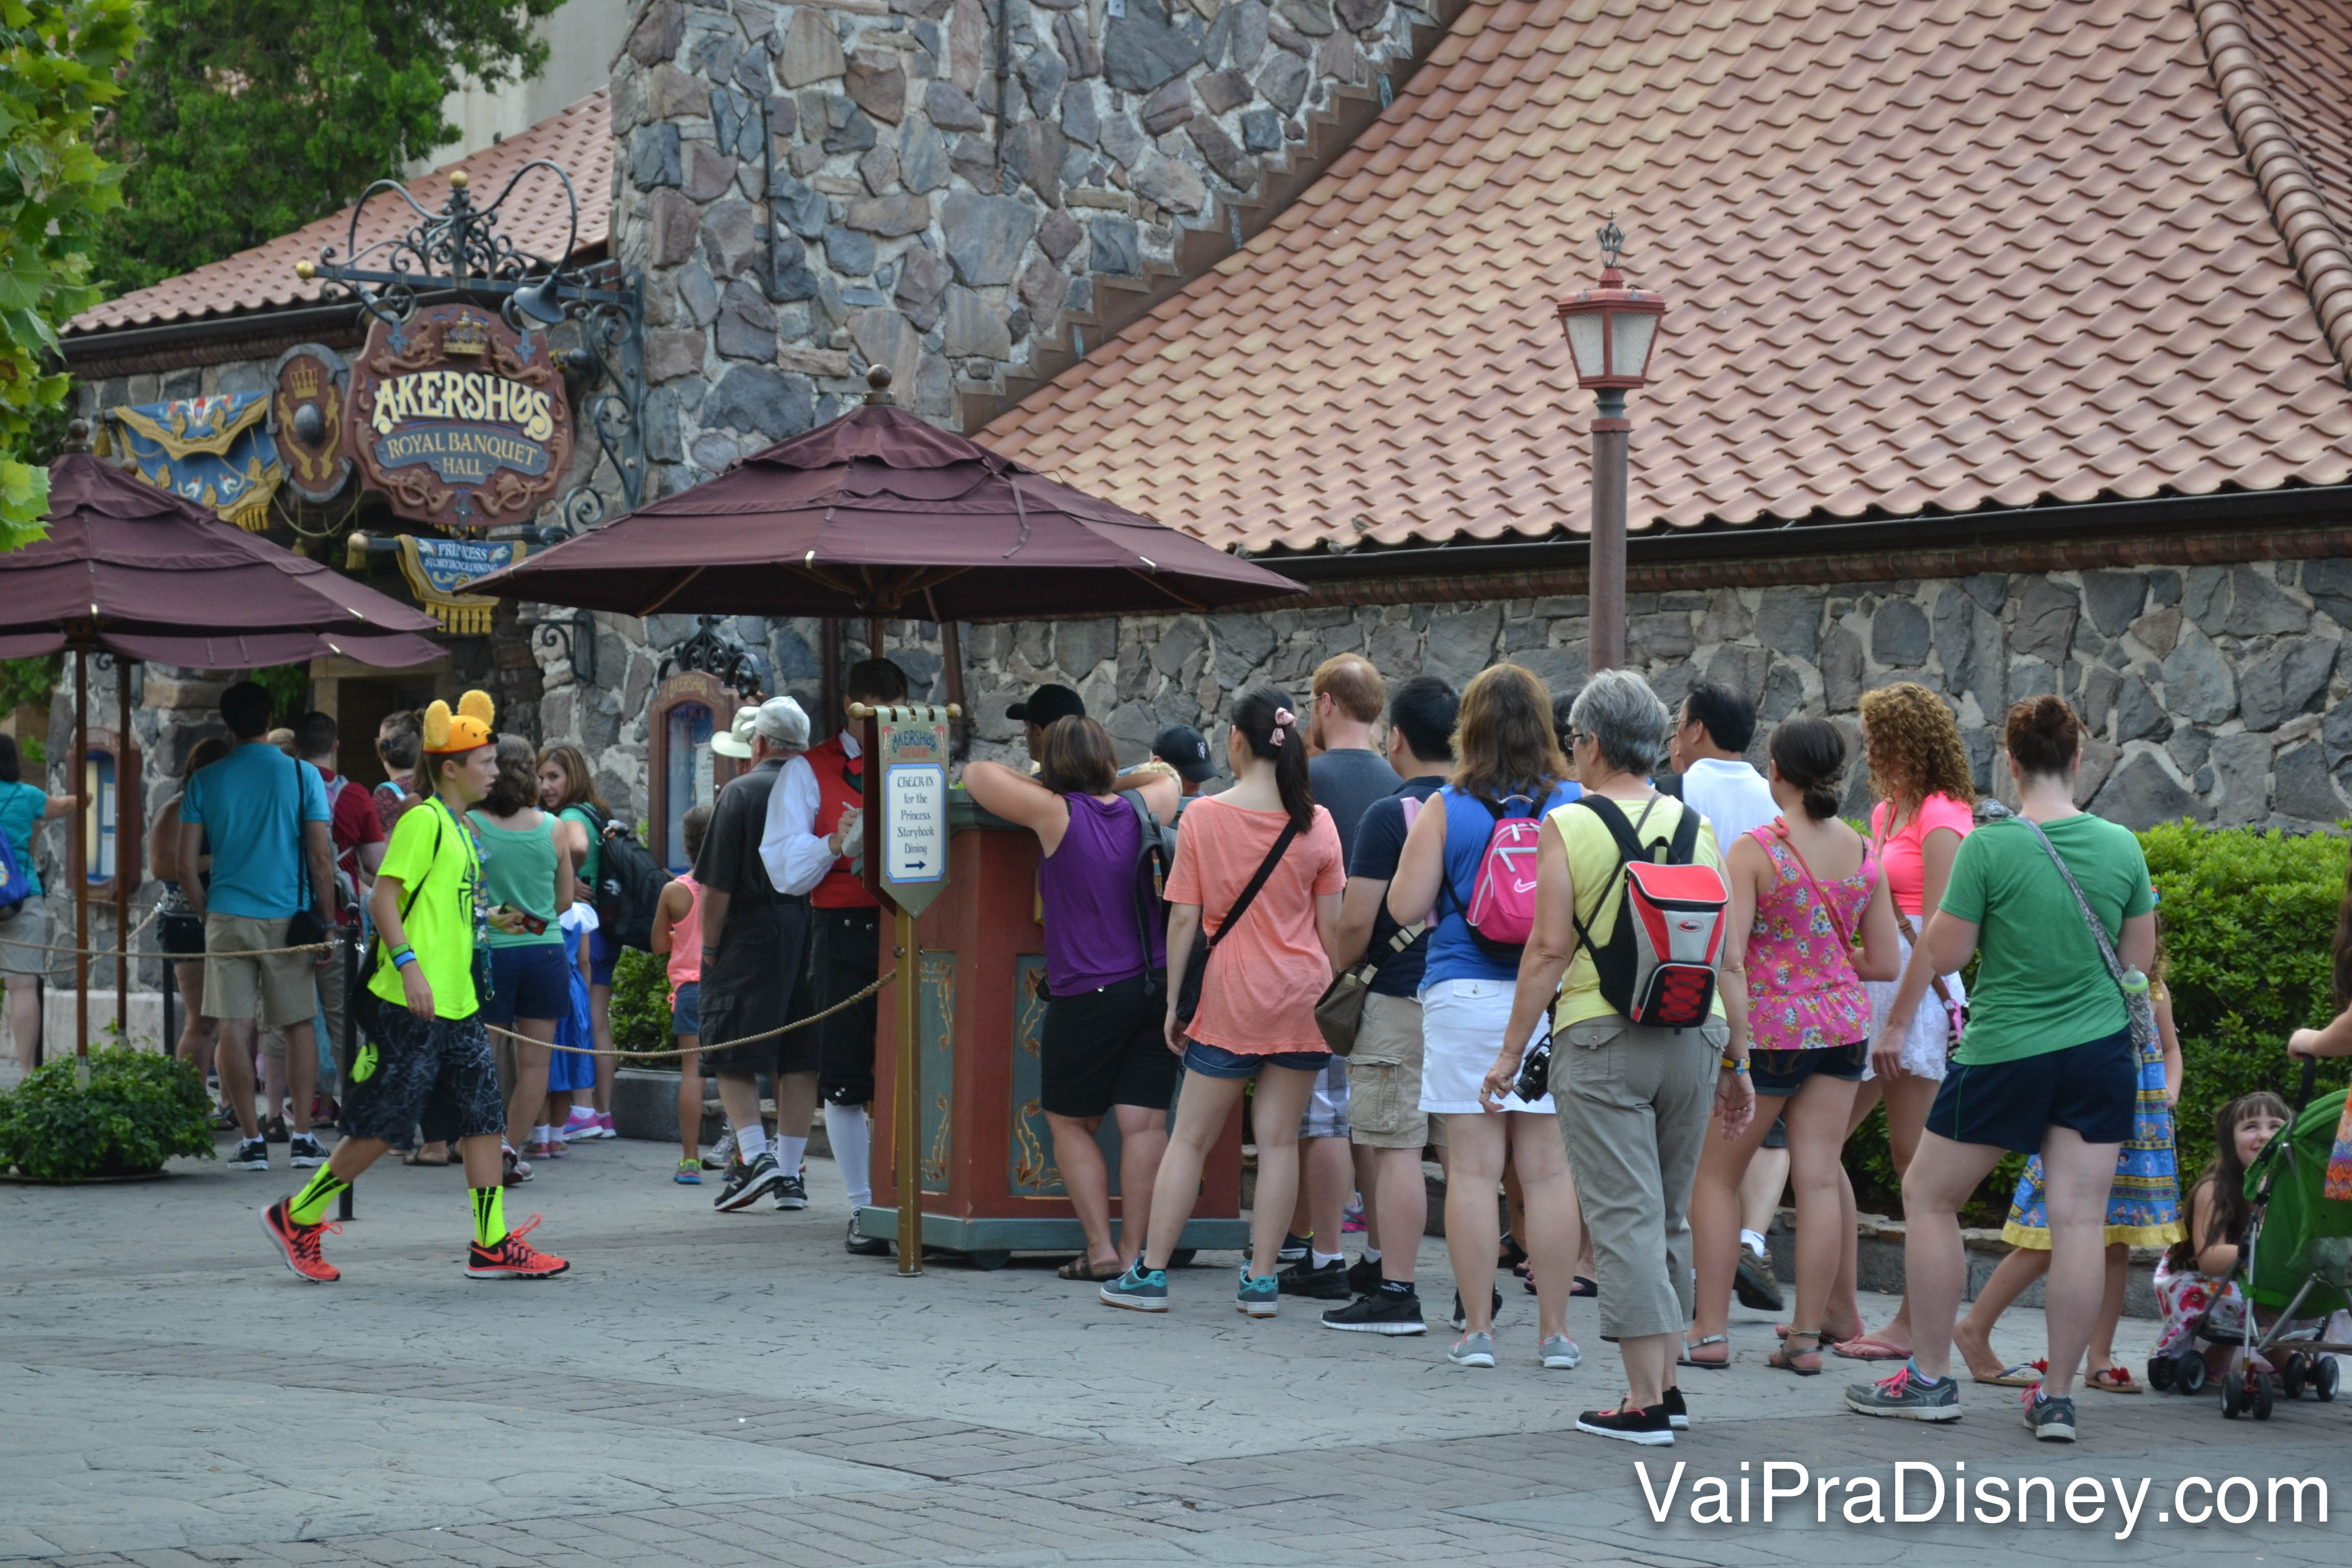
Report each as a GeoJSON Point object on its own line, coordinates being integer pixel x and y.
{"type": "Point", "coordinates": [1918, 254]}
{"type": "Point", "coordinates": [579, 139]}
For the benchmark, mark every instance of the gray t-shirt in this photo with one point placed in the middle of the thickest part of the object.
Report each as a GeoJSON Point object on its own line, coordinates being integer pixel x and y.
{"type": "Point", "coordinates": [1346, 782]}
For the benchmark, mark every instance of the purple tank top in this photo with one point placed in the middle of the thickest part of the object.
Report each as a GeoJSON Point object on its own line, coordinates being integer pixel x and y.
{"type": "Point", "coordinates": [1092, 893]}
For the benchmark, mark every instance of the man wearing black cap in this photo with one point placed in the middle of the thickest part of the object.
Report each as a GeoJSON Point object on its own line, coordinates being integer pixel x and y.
{"type": "Point", "coordinates": [1186, 750]}
{"type": "Point", "coordinates": [1041, 707]}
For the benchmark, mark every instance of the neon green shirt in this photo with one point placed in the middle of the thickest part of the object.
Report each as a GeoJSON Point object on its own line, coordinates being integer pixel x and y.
{"type": "Point", "coordinates": [432, 855]}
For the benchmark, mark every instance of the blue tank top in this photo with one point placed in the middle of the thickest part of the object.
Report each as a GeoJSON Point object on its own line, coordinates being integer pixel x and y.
{"type": "Point", "coordinates": [1089, 886]}
{"type": "Point", "coordinates": [1454, 952]}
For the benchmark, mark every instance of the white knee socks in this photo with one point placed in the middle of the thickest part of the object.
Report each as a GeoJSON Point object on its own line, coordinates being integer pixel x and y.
{"type": "Point", "coordinates": [852, 1137]}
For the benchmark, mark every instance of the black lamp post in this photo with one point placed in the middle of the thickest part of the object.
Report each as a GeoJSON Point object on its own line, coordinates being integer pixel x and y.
{"type": "Point", "coordinates": [1611, 332]}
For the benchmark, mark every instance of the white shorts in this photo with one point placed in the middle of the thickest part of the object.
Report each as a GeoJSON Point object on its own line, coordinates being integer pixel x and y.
{"type": "Point", "coordinates": [1928, 1045]}
{"type": "Point", "coordinates": [1326, 1115]}
{"type": "Point", "coordinates": [1462, 1023]}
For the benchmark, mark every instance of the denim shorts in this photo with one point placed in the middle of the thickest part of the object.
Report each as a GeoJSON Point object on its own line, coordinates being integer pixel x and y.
{"type": "Point", "coordinates": [685, 1009]}
{"type": "Point", "coordinates": [1215, 1061]}
{"type": "Point", "coordinates": [528, 980]}
{"type": "Point", "coordinates": [604, 953]}
{"type": "Point", "coordinates": [1779, 1074]}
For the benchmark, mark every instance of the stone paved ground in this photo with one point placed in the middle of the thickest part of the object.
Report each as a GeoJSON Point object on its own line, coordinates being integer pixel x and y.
{"type": "Point", "coordinates": [715, 1392]}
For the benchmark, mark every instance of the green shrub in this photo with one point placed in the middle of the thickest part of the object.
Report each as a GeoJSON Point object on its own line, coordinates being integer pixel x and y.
{"type": "Point", "coordinates": [2250, 930]}
{"type": "Point", "coordinates": [641, 1006]}
{"type": "Point", "coordinates": [1869, 1165]}
{"type": "Point", "coordinates": [140, 1110]}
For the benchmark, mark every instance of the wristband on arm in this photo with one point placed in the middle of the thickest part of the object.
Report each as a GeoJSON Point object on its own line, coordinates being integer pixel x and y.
{"type": "Point", "coordinates": [403, 956]}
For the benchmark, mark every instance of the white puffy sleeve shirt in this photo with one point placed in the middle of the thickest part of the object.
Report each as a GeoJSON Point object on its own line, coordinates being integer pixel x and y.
{"type": "Point", "coordinates": [795, 856]}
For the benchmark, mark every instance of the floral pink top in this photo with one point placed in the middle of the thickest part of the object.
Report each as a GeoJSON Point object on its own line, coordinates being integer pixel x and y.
{"type": "Point", "coordinates": [1803, 991]}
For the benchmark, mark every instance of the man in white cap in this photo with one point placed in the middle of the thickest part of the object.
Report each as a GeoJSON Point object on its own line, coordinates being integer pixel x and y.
{"type": "Point", "coordinates": [753, 926]}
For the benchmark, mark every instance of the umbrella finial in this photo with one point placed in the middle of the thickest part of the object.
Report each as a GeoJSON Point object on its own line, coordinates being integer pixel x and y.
{"type": "Point", "coordinates": [78, 435]}
{"type": "Point", "coordinates": [878, 381]}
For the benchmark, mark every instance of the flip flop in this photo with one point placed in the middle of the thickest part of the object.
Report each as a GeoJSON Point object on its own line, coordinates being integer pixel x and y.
{"type": "Point", "coordinates": [412, 1158]}
{"type": "Point", "coordinates": [2024, 1374]}
{"type": "Point", "coordinates": [1869, 1349]}
{"type": "Point", "coordinates": [2114, 1379]}
{"type": "Point", "coordinates": [1785, 1356]}
{"type": "Point", "coordinates": [1081, 1268]}
{"type": "Point", "coordinates": [1724, 1339]}
{"type": "Point", "coordinates": [1583, 1287]}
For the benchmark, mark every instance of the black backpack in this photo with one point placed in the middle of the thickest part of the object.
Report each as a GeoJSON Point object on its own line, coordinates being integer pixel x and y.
{"type": "Point", "coordinates": [1155, 861]}
{"type": "Point", "coordinates": [628, 885]}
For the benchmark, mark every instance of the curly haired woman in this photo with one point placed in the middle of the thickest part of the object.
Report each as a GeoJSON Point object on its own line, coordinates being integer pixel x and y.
{"type": "Point", "coordinates": [1927, 801]}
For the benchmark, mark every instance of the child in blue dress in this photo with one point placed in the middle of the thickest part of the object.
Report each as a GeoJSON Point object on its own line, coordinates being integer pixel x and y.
{"type": "Point", "coordinates": [571, 1071]}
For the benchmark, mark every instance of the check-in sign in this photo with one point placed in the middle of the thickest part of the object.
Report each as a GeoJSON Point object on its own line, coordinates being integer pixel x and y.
{"type": "Point", "coordinates": [913, 756]}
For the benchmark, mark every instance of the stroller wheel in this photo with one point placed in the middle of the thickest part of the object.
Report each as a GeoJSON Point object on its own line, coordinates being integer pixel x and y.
{"type": "Point", "coordinates": [2323, 1378]}
{"type": "Point", "coordinates": [2159, 1373]}
{"type": "Point", "coordinates": [2263, 1396]}
{"type": "Point", "coordinates": [2290, 1376]}
{"type": "Point", "coordinates": [2233, 1395]}
{"type": "Point", "coordinates": [2189, 1371]}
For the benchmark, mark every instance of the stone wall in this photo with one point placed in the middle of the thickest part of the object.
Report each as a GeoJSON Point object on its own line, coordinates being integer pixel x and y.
{"type": "Point", "coordinates": [917, 225]}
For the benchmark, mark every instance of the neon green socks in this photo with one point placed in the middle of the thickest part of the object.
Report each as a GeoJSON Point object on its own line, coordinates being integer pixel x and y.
{"type": "Point", "coordinates": [489, 1216]}
{"type": "Point", "coordinates": [309, 1207]}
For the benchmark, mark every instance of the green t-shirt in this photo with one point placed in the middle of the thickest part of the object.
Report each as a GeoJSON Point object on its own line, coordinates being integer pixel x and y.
{"type": "Point", "coordinates": [2041, 985]}
{"type": "Point", "coordinates": [519, 871]}
{"type": "Point", "coordinates": [586, 871]}
{"type": "Point", "coordinates": [431, 854]}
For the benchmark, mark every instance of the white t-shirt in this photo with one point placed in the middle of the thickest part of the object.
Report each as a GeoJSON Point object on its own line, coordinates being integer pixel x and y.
{"type": "Point", "coordinates": [1732, 795]}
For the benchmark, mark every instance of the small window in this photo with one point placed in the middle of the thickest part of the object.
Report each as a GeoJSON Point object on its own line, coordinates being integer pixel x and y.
{"type": "Point", "coordinates": [681, 772]}
{"type": "Point", "coordinates": [688, 778]}
{"type": "Point", "coordinates": [98, 815]}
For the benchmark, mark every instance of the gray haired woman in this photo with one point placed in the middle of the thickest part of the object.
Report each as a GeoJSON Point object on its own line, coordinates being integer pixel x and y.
{"type": "Point", "coordinates": [1634, 1101]}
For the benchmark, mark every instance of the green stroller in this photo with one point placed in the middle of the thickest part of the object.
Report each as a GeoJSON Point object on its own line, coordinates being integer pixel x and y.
{"type": "Point", "coordinates": [2298, 1266]}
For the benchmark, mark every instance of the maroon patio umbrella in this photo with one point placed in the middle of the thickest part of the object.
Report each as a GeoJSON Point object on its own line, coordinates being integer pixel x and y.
{"type": "Point", "coordinates": [879, 513]}
{"type": "Point", "coordinates": [137, 573]}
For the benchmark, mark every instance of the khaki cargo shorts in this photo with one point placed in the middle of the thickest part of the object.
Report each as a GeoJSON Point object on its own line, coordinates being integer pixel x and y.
{"type": "Point", "coordinates": [1384, 1078]}
{"type": "Point", "coordinates": [281, 989]}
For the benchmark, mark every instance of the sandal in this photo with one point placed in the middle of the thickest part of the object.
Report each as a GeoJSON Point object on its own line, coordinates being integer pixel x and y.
{"type": "Point", "coordinates": [1869, 1349]}
{"type": "Point", "coordinates": [1081, 1267]}
{"type": "Point", "coordinates": [1686, 1359]}
{"type": "Point", "coordinates": [2113, 1380]}
{"type": "Point", "coordinates": [2024, 1374]}
{"type": "Point", "coordinates": [1785, 1357]}
{"type": "Point", "coordinates": [413, 1158]}
{"type": "Point", "coordinates": [1583, 1287]}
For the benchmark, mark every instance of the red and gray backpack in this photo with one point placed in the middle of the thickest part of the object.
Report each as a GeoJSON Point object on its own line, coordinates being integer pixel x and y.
{"type": "Point", "coordinates": [1658, 966]}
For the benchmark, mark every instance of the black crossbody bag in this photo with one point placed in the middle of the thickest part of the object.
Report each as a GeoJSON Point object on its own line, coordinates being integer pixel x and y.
{"type": "Point", "coordinates": [304, 928]}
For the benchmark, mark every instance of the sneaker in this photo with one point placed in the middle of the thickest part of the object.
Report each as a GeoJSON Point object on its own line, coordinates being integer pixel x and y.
{"type": "Point", "coordinates": [1677, 1413]}
{"type": "Point", "coordinates": [1364, 1275]}
{"type": "Point", "coordinates": [510, 1260]}
{"type": "Point", "coordinates": [1473, 1350]}
{"type": "Point", "coordinates": [1652, 1428]}
{"type": "Point", "coordinates": [252, 1154]}
{"type": "Point", "coordinates": [582, 1124]}
{"type": "Point", "coordinates": [1140, 1290]}
{"type": "Point", "coordinates": [535, 1150]}
{"type": "Point", "coordinates": [557, 1149]}
{"type": "Point", "coordinates": [1755, 1285]}
{"type": "Point", "coordinates": [2052, 1420]}
{"type": "Point", "coordinates": [863, 1245]}
{"type": "Point", "coordinates": [604, 1128]}
{"type": "Point", "coordinates": [1326, 1283]}
{"type": "Point", "coordinates": [1294, 1249]}
{"type": "Point", "coordinates": [518, 1169]}
{"type": "Point", "coordinates": [688, 1173]}
{"type": "Point", "coordinates": [298, 1244]}
{"type": "Point", "coordinates": [791, 1193]}
{"type": "Point", "coordinates": [1460, 1322]}
{"type": "Point", "coordinates": [303, 1153]}
{"type": "Point", "coordinates": [274, 1131]}
{"type": "Point", "coordinates": [1907, 1396]}
{"type": "Point", "coordinates": [722, 1153]}
{"type": "Point", "coordinates": [1259, 1296]}
{"type": "Point", "coordinates": [746, 1185]}
{"type": "Point", "coordinates": [1352, 1222]}
{"type": "Point", "coordinates": [1379, 1312]}
{"type": "Point", "coordinates": [1560, 1353]}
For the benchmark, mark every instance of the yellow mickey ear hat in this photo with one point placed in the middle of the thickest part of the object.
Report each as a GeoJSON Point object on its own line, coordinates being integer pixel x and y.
{"type": "Point", "coordinates": [464, 731]}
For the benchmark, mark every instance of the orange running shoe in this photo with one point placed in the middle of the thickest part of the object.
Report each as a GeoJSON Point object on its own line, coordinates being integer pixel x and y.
{"type": "Point", "coordinates": [510, 1260]}
{"type": "Point", "coordinates": [299, 1244]}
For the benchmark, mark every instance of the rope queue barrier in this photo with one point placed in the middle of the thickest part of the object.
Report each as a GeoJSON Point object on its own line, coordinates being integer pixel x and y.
{"type": "Point", "coordinates": [842, 1006]}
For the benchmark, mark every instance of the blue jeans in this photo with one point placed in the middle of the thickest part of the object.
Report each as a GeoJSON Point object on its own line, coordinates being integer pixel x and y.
{"type": "Point", "coordinates": [1215, 1061]}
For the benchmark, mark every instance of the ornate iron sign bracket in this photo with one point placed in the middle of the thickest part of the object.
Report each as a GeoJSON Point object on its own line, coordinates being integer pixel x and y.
{"type": "Point", "coordinates": [717, 653]}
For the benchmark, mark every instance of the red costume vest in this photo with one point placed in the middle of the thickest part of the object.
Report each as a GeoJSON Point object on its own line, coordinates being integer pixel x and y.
{"type": "Point", "coordinates": [840, 784]}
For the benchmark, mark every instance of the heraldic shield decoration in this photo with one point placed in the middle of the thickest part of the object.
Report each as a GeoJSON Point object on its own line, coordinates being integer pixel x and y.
{"type": "Point", "coordinates": [306, 419]}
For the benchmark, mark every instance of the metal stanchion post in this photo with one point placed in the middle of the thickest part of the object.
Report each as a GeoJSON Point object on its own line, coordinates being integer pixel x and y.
{"type": "Point", "coordinates": [350, 963]}
{"type": "Point", "coordinates": [909, 1108]}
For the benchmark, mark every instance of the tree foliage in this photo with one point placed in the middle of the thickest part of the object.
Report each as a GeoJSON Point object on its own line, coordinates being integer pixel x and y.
{"type": "Point", "coordinates": [58, 65]}
{"type": "Point", "coordinates": [247, 119]}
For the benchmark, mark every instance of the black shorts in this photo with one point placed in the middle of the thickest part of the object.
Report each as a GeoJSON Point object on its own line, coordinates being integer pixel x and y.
{"type": "Point", "coordinates": [1779, 1074]}
{"type": "Point", "coordinates": [438, 1072]}
{"type": "Point", "coordinates": [528, 980]}
{"type": "Point", "coordinates": [2092, 1088]}
{"type": "Point", "coordinates": [1101, 1048]}
{"type": "Point", "coordinates": [844, 959]}
{"type": "Point", "coordinates": [747, 989]}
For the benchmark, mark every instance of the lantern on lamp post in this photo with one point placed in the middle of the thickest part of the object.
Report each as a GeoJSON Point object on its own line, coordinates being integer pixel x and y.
{"type": "Point", "coordinates": [1611, 330]}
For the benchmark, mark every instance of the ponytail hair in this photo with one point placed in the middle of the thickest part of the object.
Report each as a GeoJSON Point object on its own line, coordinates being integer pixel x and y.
{"type": "Point", "coordinates": [1810, 754]}
{"type": "Point", "coordinates": [1264, 719]}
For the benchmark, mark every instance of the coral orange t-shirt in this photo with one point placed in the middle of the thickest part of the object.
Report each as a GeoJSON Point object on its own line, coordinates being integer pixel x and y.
{"type": "Point", "coordinates": [1258, 997]}
{"type": "Point", "coordinates": [1904, 854]}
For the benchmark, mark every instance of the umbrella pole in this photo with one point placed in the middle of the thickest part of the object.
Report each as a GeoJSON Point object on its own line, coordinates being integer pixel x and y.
{"type": "Point", "coordinates": [123, 842]}
{"type": "Point", "coordinates": [832, 674]}
{"type": "Point", "coordinates": [77, 856]}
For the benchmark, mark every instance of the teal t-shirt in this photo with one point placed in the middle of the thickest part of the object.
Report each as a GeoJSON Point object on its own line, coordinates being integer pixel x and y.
{"type": "Point", "coordinates": [519, 871]}
{"type": "Point", "coordinates": [21, 805]}
{"type": "Point", "coordinates": [2042, 985]}
{"type": "Point", "coordinates": [586, 871]}
{"type": "Point", "coordinates": [253, 803]}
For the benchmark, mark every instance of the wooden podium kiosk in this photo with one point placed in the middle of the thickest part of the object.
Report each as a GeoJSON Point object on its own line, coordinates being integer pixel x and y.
{"type": "Point", "coordinates": [989, 1185]}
